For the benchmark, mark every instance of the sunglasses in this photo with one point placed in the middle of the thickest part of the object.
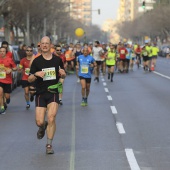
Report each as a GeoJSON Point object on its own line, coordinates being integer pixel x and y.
{"type": "Point", "coordinates": [29, 50]}
{"type": "Point", "coordinates": [58, 50]}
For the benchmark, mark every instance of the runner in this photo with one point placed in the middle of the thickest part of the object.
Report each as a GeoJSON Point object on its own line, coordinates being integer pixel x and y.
{"type": "Point", "coordinates": [155, 51]}
{"type": "Point", "coordinates": [25, 67]}
{"type": "Point", "coordinates": [122, 58]}
{"type": "Point", "coordinates": [59, 53]}
{"type": "Point", "coordinates": [138, 51]}
{"type": "Point", "coordinates": [84, 64]}
{"type": "Point", "coordinates": [7, 65]}
{"type": "Point", "coordinates": [149, 49]}
{"type": "Point", "coordinates": [32, 89]}
{"type": "Point", "coordinates": [77, 52]}
{"type": "Point", "coordinates": [6, 45]}
{"type": "Point", "coordinates": [97, 52]}
{"type": "Point", "coordinates": [145, 55]}
{"type": "Point", "coordinates": [131, 56]}
{"type": "Point", "coordinates": [111, 61]}
{"type": "Point", "coordinates": [70, 59]}
{"type": "Point", "coordinates": [45, 69]}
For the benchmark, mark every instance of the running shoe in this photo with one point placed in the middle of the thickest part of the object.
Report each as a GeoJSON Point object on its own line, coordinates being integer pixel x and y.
{"type": "Point", "coordinates": [49, 149]}
{"type": "Point", "coordinates": [78, 80]}
{"type": "Point", "coordinates": [83, 103]}
{"type": "Point", "coordinates": [2, 111]}
{"type": "Point", "coordinates": [8, 101]}
{"type": "Point", "coordinates": [5, 106]}
{"type": "Point", "coordinates": [27, 106]}
{"type": "Point", "coordinates": [60, 102]}
{"type": "Point", "coordinates": [111, 80]}
{"type": "Point", "coordinates": [41, 130]}
{"type": "Point", "coordinates": [108, 76]}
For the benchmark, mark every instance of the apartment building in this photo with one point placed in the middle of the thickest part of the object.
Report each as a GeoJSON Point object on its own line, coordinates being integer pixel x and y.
{"type": "Point", "coordinates": [81, 10]}
{"type": "Point", "coordinates": [131, 9]}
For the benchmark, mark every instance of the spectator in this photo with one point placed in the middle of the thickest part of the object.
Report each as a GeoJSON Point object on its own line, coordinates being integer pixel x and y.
{"type": "Point", "coordinates": [22, 51]}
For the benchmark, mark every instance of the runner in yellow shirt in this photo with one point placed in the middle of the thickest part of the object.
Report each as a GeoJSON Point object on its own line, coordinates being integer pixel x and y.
{"type": "Point", "coordinates": [155, 51]}
{"type": "Point", "coordinates": [149, 49]}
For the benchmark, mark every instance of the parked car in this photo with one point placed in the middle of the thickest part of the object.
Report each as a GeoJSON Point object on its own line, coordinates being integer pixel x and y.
{"type": "Point", "coordinates": [15, 47]}
{"type": "Point", "coordinates": [163, 50]}
{"type": "Point", "coordinates": [16, 75]}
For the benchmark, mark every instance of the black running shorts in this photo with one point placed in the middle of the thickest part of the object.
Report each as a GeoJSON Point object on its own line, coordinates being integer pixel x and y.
{"type": "Point", "coordinates": [6, 87]}
{"type": "Point", "coordinates": [88, 80]}
{"type": "Point", "coordinates": [42, 100]}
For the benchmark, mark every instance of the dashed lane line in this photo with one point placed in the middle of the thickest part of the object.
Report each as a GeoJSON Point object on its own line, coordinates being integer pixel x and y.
{"type": "Point", "coordinates": [129, 152]}
{"type": "Point", "coordinates": [109, 97]}
{"type": "Point", "coordinates": [113, 109]}
{"type": "Point", "coordinates": [131, 159]}
{"type": "Point", "coordinates": [106, 90]}
{"type": "Point", "coordinates": [120, 128]}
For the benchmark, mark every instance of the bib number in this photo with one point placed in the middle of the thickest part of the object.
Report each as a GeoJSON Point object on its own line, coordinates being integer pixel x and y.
{"type": "Point", "coordinates": [2, 75]}
{"type": "Point", "coordinates": [145, 54]}
{"type": "Point", "coordinates": [84, 69]}
{"type": "Point", "coordinates": [27, 71]}
{"type": "Point", "coordinates": [122, 51]}
{"type": "Point", "coordinates": [50, 74]}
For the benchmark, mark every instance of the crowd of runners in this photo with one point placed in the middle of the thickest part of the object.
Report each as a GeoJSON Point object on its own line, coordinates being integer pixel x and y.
{"type": "Point", "coordinates": [44, 71]}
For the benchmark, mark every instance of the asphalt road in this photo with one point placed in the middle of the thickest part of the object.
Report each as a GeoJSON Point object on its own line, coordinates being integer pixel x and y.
{"type": "Point", "coordinates": [124, 127]}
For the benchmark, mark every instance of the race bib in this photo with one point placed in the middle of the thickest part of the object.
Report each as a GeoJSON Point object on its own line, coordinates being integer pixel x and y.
{"type": "Point", "coordinates": [2, 75]}
{"type": "Point", "coordinates": [122, 52]}
{"type": "Point", "coordinates": [67, 55]}
{"type": "Point", "coordinates": [2, 67]}
{"type": "Point", "coordinates": [27, 71]}
{"type": "Point", "coordinates": [145, 53]}
{"type": "Point", "coordinates": [84, 69]}
{"type": "Point", "coordinates": [50, 73]}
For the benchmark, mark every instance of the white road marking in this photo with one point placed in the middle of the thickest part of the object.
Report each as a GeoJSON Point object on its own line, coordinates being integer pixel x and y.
{"type": "Point", "coordinates": [109, 97]}
{"type": "Point", "coordinates": [104, 83]}
{"type": "Point", "coordinates": [167, 77]}
{"type": "Point", "coordinates": [131, 159]}
{"type": "Point", "coordinates": [161, 75]}
{"type": "Point", "coordinates": [102, 79]}
{"type": "Point", "coordinates": [120, 128]}
{"type": "Point", "coordinates": [106, 89]}
{"type": "Point", "coordinates": [113, 108]}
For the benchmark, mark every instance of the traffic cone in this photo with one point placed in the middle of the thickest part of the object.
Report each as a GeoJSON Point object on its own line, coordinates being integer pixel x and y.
{"type": "Point", "coordinates": [152, 67]}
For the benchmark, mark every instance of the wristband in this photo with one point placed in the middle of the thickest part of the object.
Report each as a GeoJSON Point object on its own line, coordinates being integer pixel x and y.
{"type": "Point", "coordinates": [35, 76]}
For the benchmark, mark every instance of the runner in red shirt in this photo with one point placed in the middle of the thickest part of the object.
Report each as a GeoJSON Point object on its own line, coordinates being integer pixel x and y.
{"type": "Point", "coordinates": [6, 45]}
{"type": "Point", "coordinates": [6, 66]}
{"type": "Point", "coordinates": [138, 52]}
{"type": "Point", "coordinates": [25, 67]}
{"type": "Point", "coordinates": [122, 57]}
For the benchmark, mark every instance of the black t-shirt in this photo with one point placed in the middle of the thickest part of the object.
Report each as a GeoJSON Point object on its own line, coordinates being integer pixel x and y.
{"type": "Point", "coordinates": [51, 67]}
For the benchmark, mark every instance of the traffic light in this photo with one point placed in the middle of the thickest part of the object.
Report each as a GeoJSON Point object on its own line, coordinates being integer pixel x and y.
{"type": "Point", "coordinates": [98, 11]}
{"type": "Point", "coordinates": [143, 4]}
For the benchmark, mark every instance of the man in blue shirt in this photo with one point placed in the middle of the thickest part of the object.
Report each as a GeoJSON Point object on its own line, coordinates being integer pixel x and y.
{"type": "Point", "coordinates": [85, 65]}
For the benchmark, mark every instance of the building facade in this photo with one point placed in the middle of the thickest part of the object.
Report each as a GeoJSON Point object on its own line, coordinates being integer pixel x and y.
{"type": "Point", "coordinates": [81, 10]}
{"type": "Point", "coordinates": [131, 9]}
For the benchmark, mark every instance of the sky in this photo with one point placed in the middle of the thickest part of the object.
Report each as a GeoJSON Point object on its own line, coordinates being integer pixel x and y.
{"type": "Point", "coordinates": [108, 10]}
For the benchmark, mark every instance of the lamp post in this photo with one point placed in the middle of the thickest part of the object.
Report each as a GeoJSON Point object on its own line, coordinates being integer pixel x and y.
{"type": "Point", "coordinates": [28, 28]}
